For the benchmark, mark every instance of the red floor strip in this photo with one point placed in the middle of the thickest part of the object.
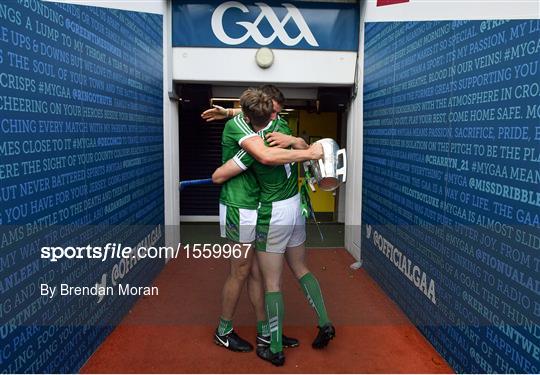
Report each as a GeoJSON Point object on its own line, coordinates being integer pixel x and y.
{"type": "Point", "coordinates": [172, 332]}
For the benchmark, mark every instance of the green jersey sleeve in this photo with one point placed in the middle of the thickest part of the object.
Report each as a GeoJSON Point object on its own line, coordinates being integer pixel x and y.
{"type": "Point", "coordinates": [237, 130]}
{"type": "Point", "coordinates": [243, 159]}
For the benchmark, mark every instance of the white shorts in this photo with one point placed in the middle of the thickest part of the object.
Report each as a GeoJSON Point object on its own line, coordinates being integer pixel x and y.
{"type": "Point", "coordinates": [237, 224]}
{"type": "Point", "coordinates": [280, 225]}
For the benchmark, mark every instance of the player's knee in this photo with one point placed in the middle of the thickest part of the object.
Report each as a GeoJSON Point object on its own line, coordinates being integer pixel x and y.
{"type": "Point", "coordinates": [241, 271]}
{"type": "Point", "coordinates": [255, 276]}
{"type": "Point", "coordinates": [255, 273]}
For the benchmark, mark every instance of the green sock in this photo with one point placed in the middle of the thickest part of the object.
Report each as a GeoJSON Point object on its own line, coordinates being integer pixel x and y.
{"type": "Point", "coordinates": [275, 311]}
{"type": "Point", "coordinates": [313, 293]}
{"type": "Point", "coordinates": [225, 326]}
{"type": "Point", "coordinates": [262, 328]}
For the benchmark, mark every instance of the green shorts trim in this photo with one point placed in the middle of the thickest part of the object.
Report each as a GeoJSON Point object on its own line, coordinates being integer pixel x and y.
{"type": "Point", "coordinates": [237, 224]}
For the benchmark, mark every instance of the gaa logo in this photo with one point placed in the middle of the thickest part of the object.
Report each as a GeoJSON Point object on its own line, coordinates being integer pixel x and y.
{"type": "Point", "coordinates": [252, 30]}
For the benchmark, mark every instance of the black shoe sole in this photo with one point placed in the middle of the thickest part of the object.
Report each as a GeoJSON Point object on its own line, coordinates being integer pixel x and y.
{"type": "Point", "coordinates": [261, 345]}
{"type": "Point", "coordinates": [277, 364]}
{"type": "Point", "coordinates": [218, 343]}
{"type": "Point", "coordinates": [285, 346]}
{"type": "Point", "coordinates": [323, 343]}
{"type": "Point", "coordinates": [292, 346]}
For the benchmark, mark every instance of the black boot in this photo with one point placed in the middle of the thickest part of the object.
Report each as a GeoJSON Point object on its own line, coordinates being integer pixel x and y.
{"type": "Point", "coordinates": [326, 333]}
{"type": "Point", "coordinates": [233, 342]}
{"type": "Point", "coordinates": [277, 359]}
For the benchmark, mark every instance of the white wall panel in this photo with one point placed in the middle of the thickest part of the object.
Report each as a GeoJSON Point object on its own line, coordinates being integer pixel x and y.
{"type": "Point", "coordinates": [237, 65]}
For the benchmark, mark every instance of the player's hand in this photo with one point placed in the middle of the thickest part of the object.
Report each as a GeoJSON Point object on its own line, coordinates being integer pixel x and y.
{"type": "Point", "coordinates": [213, 114]}
{"type": "Point", "coordinates": [316, 151]}
{"type": "Point", "coordinates": [280, 140]}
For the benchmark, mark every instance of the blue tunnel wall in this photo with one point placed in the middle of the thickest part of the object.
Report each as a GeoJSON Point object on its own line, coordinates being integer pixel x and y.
{"type": "Point", "coordinates": [81, 139]}
{"type": "Point", "coordinates": [450, 200]}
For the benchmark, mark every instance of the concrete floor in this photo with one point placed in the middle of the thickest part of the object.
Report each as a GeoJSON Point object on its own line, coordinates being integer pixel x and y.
{"type": "Point", "coordinates": [173, 332]}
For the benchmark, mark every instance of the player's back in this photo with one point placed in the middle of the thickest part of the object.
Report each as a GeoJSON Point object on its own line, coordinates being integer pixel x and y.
{"type": "Point", "coordinates": [277, 182]}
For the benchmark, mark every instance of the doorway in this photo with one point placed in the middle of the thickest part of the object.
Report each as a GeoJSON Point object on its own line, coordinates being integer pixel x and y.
{"type": "Point", "coordinates": [312, 113]}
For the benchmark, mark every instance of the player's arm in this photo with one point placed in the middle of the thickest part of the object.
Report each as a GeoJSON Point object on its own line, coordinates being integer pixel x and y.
{"type": "Point", "coordinates": [255, 146]}
{"type": "Point", "coordinates": [226, 172]}
{"type": "Point", "coordinates": [277, 139]}
{"type": "Point", "coordinates": [219, 113]}
{"type": "Point", "coordinates": [234, 166]}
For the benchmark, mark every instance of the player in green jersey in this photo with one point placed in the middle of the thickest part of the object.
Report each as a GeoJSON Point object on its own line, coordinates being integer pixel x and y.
{"type": "Point", "coordinates": [280, 234]}
{"type": "Point", "coordinates": [239, 200]}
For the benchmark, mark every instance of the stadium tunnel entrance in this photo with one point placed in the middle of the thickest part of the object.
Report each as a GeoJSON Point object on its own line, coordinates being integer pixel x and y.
{"type": "Point", "coordinates": [311, 112]}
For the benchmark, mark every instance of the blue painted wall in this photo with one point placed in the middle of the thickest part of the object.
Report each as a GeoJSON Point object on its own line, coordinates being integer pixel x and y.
{"type": "Point", "coordinates": [81, 144]}
{"type": "Point", "coordinates": [451, 177]}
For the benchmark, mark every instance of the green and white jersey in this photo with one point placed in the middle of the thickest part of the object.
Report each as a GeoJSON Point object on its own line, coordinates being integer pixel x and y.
{"type": "Point", "coordinates": [277, 182]}
{"type": "Point", "coordinates": [243, 158]}
{"type": "Point", "coordinates": [241, 191]}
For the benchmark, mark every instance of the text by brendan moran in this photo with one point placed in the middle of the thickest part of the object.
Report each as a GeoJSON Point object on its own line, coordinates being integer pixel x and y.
{"type": "Point", "coordinates": [96, 290]}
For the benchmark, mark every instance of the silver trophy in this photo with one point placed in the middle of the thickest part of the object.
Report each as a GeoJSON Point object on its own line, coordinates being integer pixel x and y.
{"type": "Point", "coordinates": [330, 171]}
